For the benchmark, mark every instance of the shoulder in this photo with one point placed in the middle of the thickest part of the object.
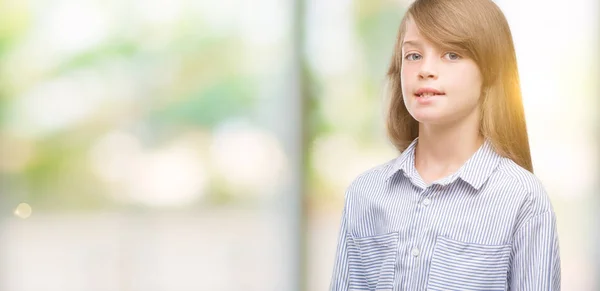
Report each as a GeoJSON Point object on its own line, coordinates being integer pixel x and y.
{"type": "Point", "coordinates": [370, 178]}
{"type": "Point", "coordinates": [533, 193]}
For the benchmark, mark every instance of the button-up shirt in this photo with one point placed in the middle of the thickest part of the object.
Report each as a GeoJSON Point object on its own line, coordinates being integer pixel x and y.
{"type": "Point", "coordinates": [488, 226]}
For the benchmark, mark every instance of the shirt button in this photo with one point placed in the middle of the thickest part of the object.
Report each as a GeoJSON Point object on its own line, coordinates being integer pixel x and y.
{"type": "Point", "coordinates": [415, 252]}
{"type": "Point", "coordinates": [426, 201]}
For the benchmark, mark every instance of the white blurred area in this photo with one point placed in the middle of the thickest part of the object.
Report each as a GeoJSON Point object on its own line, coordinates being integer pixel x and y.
{"type": "Point", "coordinates": [209, 250]}
{"type": "Point", "coordinates": [163, 235]}
{"type": "Point", "coordinates": [179, 246]}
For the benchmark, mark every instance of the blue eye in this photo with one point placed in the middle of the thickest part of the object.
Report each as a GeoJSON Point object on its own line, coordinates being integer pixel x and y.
{"type": "Point", "coordinates": [412, 57]}
{"type": "Point", "coordinates": [453, 56]}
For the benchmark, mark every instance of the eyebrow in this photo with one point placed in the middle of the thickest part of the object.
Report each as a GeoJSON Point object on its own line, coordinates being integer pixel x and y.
{"type": "Point", "coordinates": [411, 42]}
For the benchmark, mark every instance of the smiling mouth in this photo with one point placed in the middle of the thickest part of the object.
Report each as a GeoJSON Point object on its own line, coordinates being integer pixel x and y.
{"type": "Point", "coordinates": [427, 95]}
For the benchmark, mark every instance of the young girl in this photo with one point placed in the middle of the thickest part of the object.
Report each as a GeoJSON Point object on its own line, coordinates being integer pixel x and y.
{"type": "Point", "coordinates": [459, 208]}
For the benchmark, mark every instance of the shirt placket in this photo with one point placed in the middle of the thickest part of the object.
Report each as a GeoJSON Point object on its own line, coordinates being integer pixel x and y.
{"type": "Point", "coordinates": [419, 223]}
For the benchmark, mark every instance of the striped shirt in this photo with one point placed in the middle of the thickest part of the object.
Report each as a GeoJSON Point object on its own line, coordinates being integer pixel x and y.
{"type": "Point", "coordinates": [488, 226]}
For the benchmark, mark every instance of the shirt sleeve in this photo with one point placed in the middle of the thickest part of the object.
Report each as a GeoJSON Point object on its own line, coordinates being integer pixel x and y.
{"type": "Point", "coordinates": [536, 258]}
{"type": "Point", "coordinates": [339, 279]}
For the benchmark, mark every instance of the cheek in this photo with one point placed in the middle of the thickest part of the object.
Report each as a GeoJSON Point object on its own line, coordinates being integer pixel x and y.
{"type": "Point", "coordinates": [404, 80]}
{"type": "Point", "coordinates": [407, 74]}
{"type": "Point", "coordinates": [403, 73]}
{"type": "Point", "coordinates": [466, 82]}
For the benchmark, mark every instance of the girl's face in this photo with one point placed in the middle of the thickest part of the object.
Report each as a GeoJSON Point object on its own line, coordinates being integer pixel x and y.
{"type": "Point", "coordinates": [439, 86]}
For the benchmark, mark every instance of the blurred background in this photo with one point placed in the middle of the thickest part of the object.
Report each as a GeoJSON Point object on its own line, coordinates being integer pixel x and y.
{"type": "Point", "coordinates": [206, 145]}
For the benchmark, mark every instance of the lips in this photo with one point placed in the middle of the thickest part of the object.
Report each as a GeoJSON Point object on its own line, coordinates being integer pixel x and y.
{"type": "Point", "coordinates": [428, 92]}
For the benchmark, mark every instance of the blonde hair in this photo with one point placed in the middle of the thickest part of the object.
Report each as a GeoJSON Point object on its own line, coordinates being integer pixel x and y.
{"type": "Point", "coordinates": [477, 29]}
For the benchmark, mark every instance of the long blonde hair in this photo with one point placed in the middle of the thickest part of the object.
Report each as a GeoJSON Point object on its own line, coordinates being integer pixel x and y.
{"type": "Point", "coordinates": [479, 30]}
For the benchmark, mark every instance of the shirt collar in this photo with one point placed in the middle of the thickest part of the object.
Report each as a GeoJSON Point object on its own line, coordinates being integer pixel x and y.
{"type": "Point", "coordinates": [480, 166]}
{"type": "Point", "coordinates": [405, 162]}
{"type": "Point", "coordinates": [475, 171]}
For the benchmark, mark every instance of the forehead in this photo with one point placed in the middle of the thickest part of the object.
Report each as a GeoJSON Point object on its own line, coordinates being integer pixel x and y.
{"type": "Point", "coordinates": [411, 30]}
{"type": "Point", "coordinates": [414, 38]}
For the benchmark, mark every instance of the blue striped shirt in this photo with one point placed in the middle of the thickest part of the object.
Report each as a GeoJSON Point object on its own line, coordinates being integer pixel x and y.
{"type": "Point", "coordinates": [488, 226]}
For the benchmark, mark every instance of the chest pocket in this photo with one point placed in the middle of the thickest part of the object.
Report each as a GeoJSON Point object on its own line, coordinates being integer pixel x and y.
{"type": "Point", "coordinates": [457, 265]}
{"type": "Point", "coordinates": [371, 261]}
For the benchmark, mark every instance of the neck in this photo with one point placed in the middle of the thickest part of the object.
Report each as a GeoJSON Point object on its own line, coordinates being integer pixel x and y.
{"type": "Point", "coordinates": [441, 150]}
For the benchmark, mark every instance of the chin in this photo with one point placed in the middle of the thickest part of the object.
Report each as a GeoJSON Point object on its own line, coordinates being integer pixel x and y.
{"type": "Point", "coordinates": [428, 117]}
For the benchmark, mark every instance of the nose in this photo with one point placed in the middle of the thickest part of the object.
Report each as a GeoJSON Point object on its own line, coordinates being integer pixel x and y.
{"type": "Point", "coordinates": [428, 69]}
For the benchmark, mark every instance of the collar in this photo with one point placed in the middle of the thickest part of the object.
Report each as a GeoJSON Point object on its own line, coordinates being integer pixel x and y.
{"type": "Point", "coordinates": [405, 162]}
{"type": "Point", "coordinates": [475, 171]}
